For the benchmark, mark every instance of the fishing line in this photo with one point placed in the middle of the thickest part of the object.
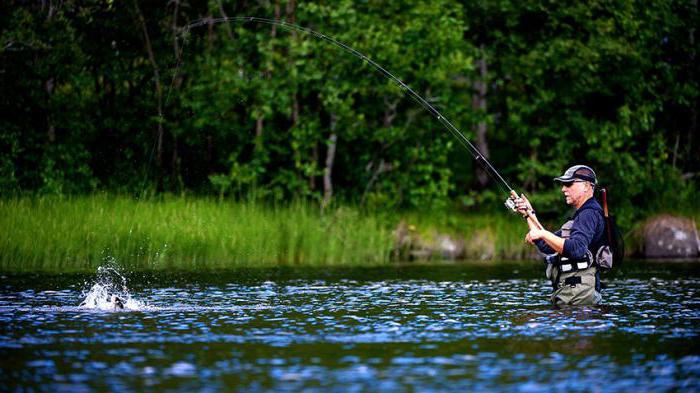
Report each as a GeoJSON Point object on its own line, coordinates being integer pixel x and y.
{"type": "Point", "coordinates": [483, 161]}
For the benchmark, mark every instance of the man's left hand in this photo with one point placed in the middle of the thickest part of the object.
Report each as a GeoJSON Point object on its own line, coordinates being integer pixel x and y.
{"type": "Point", "coordinates": [536, 234]}
{"type": "Point", "coordinates": [529, 239]}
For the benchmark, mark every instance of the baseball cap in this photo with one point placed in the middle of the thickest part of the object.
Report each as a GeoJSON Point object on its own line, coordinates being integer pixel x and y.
{"type": "Point", "coordinates": [581, 172]}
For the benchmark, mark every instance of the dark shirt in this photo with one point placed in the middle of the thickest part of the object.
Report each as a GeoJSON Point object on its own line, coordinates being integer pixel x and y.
{"type": "Point", "coordinates": [586, 232]}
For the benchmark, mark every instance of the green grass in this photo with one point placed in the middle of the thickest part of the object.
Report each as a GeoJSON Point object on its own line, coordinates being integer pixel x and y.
{"type": "Point", "coordinates": [78, 234]}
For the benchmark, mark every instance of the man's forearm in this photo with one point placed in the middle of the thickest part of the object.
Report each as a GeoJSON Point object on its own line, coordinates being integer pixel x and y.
{"type": "Point", "coordinates": [554, 241]}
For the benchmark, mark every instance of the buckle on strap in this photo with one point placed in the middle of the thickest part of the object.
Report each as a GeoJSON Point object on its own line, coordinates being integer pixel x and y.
{"type": "Point", "coordinates": [572, 280]}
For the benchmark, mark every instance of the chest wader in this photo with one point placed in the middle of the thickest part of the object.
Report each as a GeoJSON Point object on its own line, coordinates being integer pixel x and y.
{"type": "Point", "coordinates": [574, 281]}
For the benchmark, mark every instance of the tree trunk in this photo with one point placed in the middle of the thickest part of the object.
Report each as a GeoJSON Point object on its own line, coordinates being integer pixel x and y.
{"type": "Point", "coordinates": [479, 103]}
{"type": "Point", "coordinates": [381, 168]}
{"type": "Point", "coordinates": [210, 153]}
{"type": "Point", "coordinates": [176, 47]}
{"type": "Point", "coordinates": [290, 15]}
{"type": "Point", "coordinates": [693, 127]}
{"type": "Point", "coordinates": [51, 127]}
{"type": "Point", "coordinates": [174, 159]}
{"type": "Point", "coordinates": [259, 124]}
{"type": "Point", "coordinates": [229, 32]}
{"type": "Point", "coordinates": [210, 33]}
{"type": "Point", "coordinates": [158, 87]}
{"type": "Point", "coordinates": [389, 112]}
{"type": "Point", "coordinates": [277, 17]}
{"type": "Point", "coordinates": [330, 158]}
{"type": "Point", "coordinates": [314, 158]}
{"type": "Point", "coordinates": [177, 81]}
{"type": "Point", "coordinates": [291, 10]}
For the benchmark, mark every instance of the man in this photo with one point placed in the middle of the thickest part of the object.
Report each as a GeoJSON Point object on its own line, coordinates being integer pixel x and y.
{"type": "Point", "coordinates": [572, 249]}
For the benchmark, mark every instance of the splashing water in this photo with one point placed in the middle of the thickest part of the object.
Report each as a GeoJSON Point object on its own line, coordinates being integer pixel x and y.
{"type": "Point", "coordinates": [109, 292]}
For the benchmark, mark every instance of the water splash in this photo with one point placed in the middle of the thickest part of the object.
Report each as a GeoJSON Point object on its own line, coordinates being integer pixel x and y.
{"type": "Point", "coordinates": [109, 292]}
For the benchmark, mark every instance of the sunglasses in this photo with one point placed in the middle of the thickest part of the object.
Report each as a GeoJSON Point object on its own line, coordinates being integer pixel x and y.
{"type": "Point", "coordinates": [567, 185]}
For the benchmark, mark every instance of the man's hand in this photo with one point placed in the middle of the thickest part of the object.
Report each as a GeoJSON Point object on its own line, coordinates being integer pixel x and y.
{"type": "Point", "coordinates": [523, 205]}
{"type": "Point", "coordinates": [535, 234]}
{"type": "Point", "coordinates": [528, 239]}
{"type": "Point", "coordinates": [552, 240]}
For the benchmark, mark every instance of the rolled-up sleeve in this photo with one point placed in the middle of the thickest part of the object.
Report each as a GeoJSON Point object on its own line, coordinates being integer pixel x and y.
{"type": "Point", "coordinates": [582, 232]}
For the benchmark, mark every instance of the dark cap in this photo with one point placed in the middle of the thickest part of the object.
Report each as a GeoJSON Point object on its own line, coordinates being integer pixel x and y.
{"type": "Point", "coordinates": [578, 172]}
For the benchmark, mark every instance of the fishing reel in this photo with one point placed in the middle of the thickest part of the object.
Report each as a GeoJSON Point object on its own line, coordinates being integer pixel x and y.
{"type": "Point", "coordinates": [510, 202]}
{"type": "Point", "coordinates": [528, 215]}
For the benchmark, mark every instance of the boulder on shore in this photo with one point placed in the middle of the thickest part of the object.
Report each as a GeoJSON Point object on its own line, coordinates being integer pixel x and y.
{"type": "Point", "coordinates": [667, 236]}
{"type": "Point", "coordinates": [410, 245]}
{"type": "Point", "coordinates": [449, 247]}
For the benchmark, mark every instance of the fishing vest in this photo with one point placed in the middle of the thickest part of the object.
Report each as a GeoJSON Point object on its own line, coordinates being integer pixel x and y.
{"type": "Point", "coordinates": [564, 264]}
{"type": "Point", "coordinates": [600, 256]}
{"type": "Point", "coordinates": [574, 281]}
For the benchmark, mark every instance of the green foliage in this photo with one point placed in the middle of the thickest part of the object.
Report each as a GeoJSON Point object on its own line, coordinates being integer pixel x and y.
{"type": "Point", "coordinates": [250, 108]}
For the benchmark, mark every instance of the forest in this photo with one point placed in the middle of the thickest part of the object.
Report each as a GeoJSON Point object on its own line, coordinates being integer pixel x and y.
{"type": "Point", "coordinates": [130, 98]}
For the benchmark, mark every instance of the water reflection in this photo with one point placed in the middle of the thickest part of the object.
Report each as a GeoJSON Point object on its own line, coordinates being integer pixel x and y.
{"type": "Point", "coordinates": [352, 334]}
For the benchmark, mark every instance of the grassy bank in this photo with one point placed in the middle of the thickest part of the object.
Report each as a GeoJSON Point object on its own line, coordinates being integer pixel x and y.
{"type": "Point", "coordinates": [78, 234]}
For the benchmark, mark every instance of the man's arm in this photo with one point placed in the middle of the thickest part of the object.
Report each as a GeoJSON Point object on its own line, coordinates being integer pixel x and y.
{"type": "Point", "coordinates": [551, 240]}
{"type": "Point", "coordinates": [541, 244]}
{"type": "Point", "coordinates": [547, 242]}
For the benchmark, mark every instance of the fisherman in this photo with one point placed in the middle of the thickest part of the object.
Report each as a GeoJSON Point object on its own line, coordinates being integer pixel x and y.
{"type": "Point", "coordinates": [571, 251]}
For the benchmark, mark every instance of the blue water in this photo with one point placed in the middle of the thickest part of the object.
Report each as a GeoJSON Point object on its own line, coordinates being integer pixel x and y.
{"type": "Point", "coordinates": [423, 328]}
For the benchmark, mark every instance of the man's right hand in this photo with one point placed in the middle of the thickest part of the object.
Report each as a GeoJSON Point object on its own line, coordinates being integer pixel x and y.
{"type": "Point", "coordinates": [523, 205]}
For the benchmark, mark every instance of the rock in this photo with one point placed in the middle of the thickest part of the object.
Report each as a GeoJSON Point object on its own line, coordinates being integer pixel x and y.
{"type": "Point", "coordinates": [481, 245]}
{"type": "Point", "coordinates": [408, 244]}
{"type": "Point", "coordinates": [448, 247]}
{"type": "Point", "coordinates": [667, 236]}
{"type": "Point", "coordinates": [407, 241]}
{"type": "Point", "coordinates": [420, 254]}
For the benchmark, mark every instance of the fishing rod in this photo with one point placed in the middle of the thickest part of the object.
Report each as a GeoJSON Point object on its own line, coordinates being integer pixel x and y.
{"type": "Point", "coordinates": [478, 156]}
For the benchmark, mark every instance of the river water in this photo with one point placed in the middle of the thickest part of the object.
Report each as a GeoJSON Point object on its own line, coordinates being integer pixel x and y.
{"type": "Point", "coordinates": [405, 328]}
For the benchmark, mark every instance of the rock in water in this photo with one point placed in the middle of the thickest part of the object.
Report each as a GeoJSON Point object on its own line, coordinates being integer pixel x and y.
{"type": "Point", "coordinates": [667, 236]}
{"type": "Point", "coordinates": [449, 247]}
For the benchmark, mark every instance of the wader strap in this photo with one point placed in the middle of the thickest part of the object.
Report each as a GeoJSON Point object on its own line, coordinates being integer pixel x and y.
{"type": "Point", "coordinates": [567, 265]}
{"type": "Point", "coordinates": [573, 266]}
{"type": "Point", "coordinates": [572, 280]}
{"type": "Point", "coordinates": [555, 280]}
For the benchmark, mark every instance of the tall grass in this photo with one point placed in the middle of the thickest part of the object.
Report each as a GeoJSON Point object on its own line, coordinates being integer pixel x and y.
{"type": "Point", "coordinates": [78, 234]}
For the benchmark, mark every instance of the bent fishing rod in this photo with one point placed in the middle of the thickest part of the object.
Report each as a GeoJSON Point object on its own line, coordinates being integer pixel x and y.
{"type": "Point", "coordinates": [478, 156]}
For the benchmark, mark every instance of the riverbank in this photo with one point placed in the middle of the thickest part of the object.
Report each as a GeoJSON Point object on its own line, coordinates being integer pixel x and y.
{"type": "Point", "coordinates": [77, 234]}
{"type": "Point", "coordinates": [80, 233]}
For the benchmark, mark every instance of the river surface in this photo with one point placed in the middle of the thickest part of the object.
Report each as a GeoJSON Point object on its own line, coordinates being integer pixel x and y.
{"type": "Point", "coordinates": [406, 328]}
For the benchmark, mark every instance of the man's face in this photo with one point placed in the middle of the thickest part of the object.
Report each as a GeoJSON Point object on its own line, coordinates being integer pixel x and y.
{"type": "Point", "coordinates": [574, 191]}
